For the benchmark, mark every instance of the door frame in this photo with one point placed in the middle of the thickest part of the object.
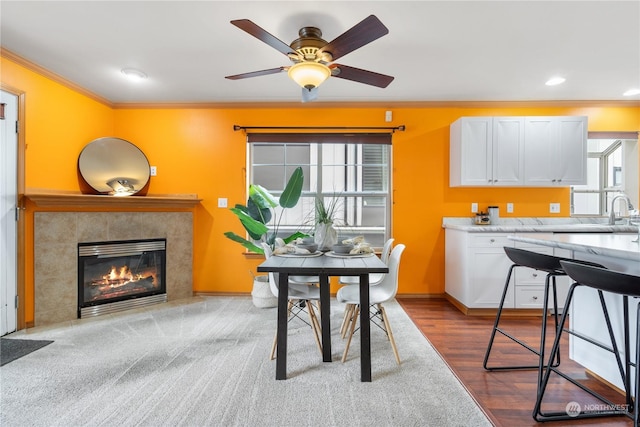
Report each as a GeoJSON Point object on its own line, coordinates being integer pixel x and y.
{"type": "Point", "coordinates": [20, 226]}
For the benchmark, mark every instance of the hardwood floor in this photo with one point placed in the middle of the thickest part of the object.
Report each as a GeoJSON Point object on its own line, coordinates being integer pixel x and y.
{"type": "Point", "coordinates": [507, 397]}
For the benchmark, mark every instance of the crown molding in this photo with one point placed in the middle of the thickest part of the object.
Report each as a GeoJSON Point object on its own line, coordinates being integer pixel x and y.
{"type": "Point", "coordinates": [31, 66]}
{"type": "Point", "coordinates": [313, 105]}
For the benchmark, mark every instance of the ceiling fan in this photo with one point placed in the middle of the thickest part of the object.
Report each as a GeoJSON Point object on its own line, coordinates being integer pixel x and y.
{"type": "Point", "coordinates": [313, 57]}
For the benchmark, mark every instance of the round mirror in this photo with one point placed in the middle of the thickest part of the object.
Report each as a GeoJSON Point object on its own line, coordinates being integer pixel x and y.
{"type": "Point", "coordinates": [113, 166]}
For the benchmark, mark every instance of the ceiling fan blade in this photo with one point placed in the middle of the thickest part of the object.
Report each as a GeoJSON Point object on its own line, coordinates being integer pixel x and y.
{"type": "Point", "coordinates": [309, 95]}
{"type": "Point", "coordinates": [366, 31]}
{"type": "Point", "coordinates": [256, 73]}
{"type": "Point", "coordinates": [360, 76]}
{"type": "Point", "coordinates": [259, 33]}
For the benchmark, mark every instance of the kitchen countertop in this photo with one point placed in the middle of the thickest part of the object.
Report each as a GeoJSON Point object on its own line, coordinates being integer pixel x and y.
{"type": "Point", "coordinates": [622, 246]}
{"type": "Point", "coordinates": [539, 225]}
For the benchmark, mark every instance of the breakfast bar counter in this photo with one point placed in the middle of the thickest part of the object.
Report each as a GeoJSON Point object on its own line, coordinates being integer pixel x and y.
{"type": "Point", "coordinates": [620, 252]}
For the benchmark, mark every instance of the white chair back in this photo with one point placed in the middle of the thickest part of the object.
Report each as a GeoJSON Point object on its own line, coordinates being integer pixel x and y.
{"type": "Point", "coordinates": [388, 288]}
{"type": "Point", "coordinates": [273, 280]}
{"type": "Point", "coordinates": [386, 250]}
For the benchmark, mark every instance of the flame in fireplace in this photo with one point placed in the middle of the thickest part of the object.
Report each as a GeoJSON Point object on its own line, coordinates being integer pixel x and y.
{"type": "Point", "coordinates": [121, 276]}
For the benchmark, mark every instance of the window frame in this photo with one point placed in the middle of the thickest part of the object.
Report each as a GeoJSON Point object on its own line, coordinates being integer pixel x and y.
{"type": "Point", "coordinates": [350, 164]}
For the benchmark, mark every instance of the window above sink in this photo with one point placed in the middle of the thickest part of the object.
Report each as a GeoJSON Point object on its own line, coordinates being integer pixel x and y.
{"type": "Point", "coordinates": [612, 168]}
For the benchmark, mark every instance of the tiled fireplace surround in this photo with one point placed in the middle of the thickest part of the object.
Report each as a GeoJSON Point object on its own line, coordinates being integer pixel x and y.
{"type": "Point", "coordinates": [56, 238]}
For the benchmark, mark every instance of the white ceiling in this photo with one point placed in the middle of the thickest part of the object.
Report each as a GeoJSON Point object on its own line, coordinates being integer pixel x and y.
{"type": "Point", "coordinates": [437, 50]}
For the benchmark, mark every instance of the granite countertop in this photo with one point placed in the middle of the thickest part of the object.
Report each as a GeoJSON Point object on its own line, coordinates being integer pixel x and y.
{"type": "Point", "coordinates": [623, 246]}
{"type": "Point", "coordinates": [539, 225]}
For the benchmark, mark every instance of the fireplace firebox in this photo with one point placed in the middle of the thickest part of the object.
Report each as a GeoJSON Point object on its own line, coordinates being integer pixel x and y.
{"type": "Point", "coordinates": [119, 275]}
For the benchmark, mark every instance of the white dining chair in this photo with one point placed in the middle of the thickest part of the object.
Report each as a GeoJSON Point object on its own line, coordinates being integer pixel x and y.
{"type": "Point", "coordinates": [301, 297]}
{"type": "Point", "coordinates": [378, 295]}
{"type": "Point", "coordinates": [374, 278]}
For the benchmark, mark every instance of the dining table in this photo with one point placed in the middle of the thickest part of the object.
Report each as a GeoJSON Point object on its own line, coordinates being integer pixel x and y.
{"type": "Point", "coordinates": [323, 265]}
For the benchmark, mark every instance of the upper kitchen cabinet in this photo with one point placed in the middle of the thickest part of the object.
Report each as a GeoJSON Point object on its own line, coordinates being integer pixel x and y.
{"type": "Point", "coordinates": [518, 151]}
{"type": "Point", "coordinates": [555, 151]}
{"type": "Point", "coordinates": [487, 151]}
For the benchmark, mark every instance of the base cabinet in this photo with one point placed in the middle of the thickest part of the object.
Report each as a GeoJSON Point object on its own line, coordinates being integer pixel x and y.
{"type": "Point", "coordinates": [476, 269]}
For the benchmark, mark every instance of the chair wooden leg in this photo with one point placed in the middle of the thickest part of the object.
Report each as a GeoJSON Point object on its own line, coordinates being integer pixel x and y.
{"type": "Point", "coordinates": [274, 345]}
{"type": "Point", "coordinates": [346, 319]}
{"type": "Point", "coordinates": [387, 328]}
{"type": "Point", "coordinates": [275, 338]}
{"type": "Point", "coordinates": [354, 321]}
{"type": "Point", "coordinates": [314, 324]}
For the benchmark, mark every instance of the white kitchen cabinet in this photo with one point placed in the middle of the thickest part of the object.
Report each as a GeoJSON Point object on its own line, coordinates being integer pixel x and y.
{"type": "Point", "coordinates": [530, 151]}
{"type": "Point", "coordinates": [476, 269]}
{"type": "Point", "coordinates": [487, 151]}
{"type": "Point", "coordinates": [555, 151]}
{"type": "Point", "coordinates": [529, 283]}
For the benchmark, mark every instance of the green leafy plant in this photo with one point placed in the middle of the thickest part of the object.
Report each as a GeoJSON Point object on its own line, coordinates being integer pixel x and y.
{"type": "Point", "coordinates": [260, 209]}
{"type": "Point", "coordinates": [325, 211]}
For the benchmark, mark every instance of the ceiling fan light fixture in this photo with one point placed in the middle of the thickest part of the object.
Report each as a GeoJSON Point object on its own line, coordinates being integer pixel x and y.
{"type": "Point", "coordinates": [309, 75]}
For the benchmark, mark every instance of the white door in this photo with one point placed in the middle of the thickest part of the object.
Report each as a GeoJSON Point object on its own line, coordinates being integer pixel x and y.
{"type": "Point", "coordinates": [8, 211]}
{"type": "Point", "coordinates": [476, 150]}
{"type": "Point", "coordinates": [572, 158]}
{"type": "Point", "coordinates": [540, 148]}
{"type": "Point", "coordinates": [508, 151]}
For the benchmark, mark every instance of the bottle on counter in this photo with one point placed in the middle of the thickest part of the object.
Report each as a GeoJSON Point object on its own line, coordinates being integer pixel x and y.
{"type": "Point", "coordinates": [494, 214]}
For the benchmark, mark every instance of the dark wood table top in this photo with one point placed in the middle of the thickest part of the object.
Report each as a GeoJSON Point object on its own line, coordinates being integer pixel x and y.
{"type": "Point", "coordinates": [324, 265]}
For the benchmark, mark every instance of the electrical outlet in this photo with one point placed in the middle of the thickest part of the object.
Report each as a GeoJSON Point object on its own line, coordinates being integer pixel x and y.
{"type": "Point", "coordinates": [153, 171]}
{"type": "Point", "coordinates": [222, 202]}
{"type": "Point", "coordinates": [388, 116]}
{"type": "Point", "coordinates": [509, 207]}
{"type": "Point", "coordinates": [554, 207]}
{"type": "Point", "coordinates": [474, 207]}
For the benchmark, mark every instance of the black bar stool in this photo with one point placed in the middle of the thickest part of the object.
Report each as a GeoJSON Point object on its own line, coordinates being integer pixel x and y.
{"type": "Point", "coordinates": [541, 262]}
{"type": "Point", "coordinates": [602, 280]}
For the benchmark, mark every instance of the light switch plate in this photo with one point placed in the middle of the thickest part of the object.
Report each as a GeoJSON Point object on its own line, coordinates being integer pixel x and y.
{"type": "Point", "coordinates": [222, 202]}
{"type": "Point", "coordinates": [474, 207]}
{"type": "Point", "coordinates": [509, 207]}
{"type": "Point", "coordinates": [554, 207]}
{"type": "Point", "coordinates": [153, 170]}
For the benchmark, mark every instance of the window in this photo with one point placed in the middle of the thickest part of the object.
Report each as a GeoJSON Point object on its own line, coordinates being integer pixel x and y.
{"type": "Point", "coordinates": [611, 168]}
{"type": "Point", "coordinates": [355, 175]}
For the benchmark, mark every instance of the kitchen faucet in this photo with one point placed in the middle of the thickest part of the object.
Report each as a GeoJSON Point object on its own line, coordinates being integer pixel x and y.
{"type": "Point", "coordinates": [612, 215]}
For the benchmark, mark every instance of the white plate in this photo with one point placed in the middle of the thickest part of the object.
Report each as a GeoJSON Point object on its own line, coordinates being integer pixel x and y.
{"type": "Point", "coordinates": [294, 255]}
{"type": "Point", "coordinates": [335, 255]}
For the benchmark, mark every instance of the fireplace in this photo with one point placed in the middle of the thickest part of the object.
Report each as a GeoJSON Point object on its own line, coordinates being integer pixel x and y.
{"type": "Point", "coordinates": [119, 275]}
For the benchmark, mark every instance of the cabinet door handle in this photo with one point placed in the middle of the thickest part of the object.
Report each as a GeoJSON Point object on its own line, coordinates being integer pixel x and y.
{"type": "Point", "coordinates": [560, 180]}
{"type": "Point", "coordinates": [553, 180]}
{"type": "Point", "coordinates": [492, 240]}
{"type": "Point", "coordinates": [535, 297]}
{"type": "Point", "coordinates": [535, 274]}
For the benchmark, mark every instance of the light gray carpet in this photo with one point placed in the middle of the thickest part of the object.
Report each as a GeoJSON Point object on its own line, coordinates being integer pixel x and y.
{"type": "Point", "coordinates": [205, 362]}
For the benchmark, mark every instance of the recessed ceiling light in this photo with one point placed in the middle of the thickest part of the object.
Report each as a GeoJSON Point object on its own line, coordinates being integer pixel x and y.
{"type": "Point", "coordinates": [555, 81]}
{"type": "Point", "coordinates": [133, 74]}
{"type": "Point", "coordinates": [632, 92]}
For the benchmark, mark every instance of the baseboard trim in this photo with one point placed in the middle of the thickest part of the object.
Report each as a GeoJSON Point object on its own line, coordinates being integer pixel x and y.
{"type": "Point", "coordinates": [491, 312]}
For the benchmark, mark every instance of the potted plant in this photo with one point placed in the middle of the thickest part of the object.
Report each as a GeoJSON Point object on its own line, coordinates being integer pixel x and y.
{"type": "Point", "coordinates": [325, 234]}
{"type": "Point", "coordinates": [260, 209]}
{"type": "Point", "coordinates": [254, 217]}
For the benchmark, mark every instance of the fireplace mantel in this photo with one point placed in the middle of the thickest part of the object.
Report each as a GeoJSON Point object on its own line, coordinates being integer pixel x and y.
{"type": "Point", "coordinates": [47, 199]}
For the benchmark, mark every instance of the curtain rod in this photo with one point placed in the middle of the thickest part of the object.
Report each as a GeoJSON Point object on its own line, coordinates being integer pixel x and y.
{"type": "Point", "coordinates": [401, 128]}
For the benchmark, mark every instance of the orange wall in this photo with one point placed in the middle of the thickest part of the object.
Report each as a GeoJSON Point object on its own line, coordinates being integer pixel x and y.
{"type": "Point", "coordinates": [197, 151]}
